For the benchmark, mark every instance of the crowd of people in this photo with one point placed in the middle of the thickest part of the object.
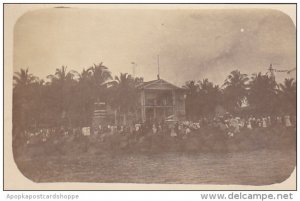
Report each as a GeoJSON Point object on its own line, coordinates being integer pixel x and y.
{"type": "Point", "coordinates": [233, 125]}
{"type": "Point", "coordinates": [228, 124]}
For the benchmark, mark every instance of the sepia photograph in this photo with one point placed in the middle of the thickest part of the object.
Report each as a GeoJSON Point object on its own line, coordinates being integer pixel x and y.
{"type": "Point", "coordinates": [154, 94]}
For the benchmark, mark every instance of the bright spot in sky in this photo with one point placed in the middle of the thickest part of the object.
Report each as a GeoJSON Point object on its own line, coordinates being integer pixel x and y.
{"type": "Point", "coordinates": [242, 30]}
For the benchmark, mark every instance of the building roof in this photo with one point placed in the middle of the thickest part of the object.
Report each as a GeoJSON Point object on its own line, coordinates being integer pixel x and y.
{"type": "Point", "coordinates": [158, 84]}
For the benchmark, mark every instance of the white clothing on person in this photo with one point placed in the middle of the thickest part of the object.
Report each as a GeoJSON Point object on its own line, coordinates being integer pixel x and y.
{"type": "Point", "coordinates": [173, 133]}
{"type": "Point", "coordinates": [235, 124]}
{"type": "Point", "coordinates": [154, 129]}
{"type": "Point", "coordinates": [187, 131]}
{"type": "Point", "coordinates": [287, 121]}
{"type": "Point", "coordinates": [279, 120]}
{"type": "Point", "coordinates": [86, 131]}
{"type": "Point", "coordinates": [264, 122]}
{"type": "Point", "coordinates": [249, 126]}
{"type": "Point", "coordinates": [137, 127]}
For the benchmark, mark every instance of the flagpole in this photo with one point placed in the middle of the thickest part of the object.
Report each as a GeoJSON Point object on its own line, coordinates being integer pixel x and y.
{"type": "Point", "coordinates": [158, 67]}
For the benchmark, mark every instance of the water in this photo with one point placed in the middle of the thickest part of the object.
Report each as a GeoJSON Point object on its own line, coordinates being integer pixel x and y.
{"type": "Point", "coordinates": [252, 168]}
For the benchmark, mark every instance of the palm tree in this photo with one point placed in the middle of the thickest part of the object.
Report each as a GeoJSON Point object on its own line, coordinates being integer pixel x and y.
{"type": "Point", "coordinates": [85, 75]}
{"type": "Point", "coordinates": [289, 86]}
{"type": "Point", "coordinates": [138, 80]}
{"type": "Point", "coordinates": [62, 83]}
{"type": "Point", "coordinates": [23, 89]}
{"type": "Point", "coordinates": [192, 100]}
{"type": "Point", "coordinates": [191, 87]}
{"type": "Point", "coordinates": [124, 94]}
{"type": "Point", "coordinates": [206, 85]}
{"type": "Point", "coordinates": [61, 75]}
{"type": "Point", "coordinates": [262, 94]}
{"type": "Point", "coordinates": [210, 96]}
{"type": "Point", "coordinates": [235, 89]}
{"type": "Point", "coordinates": [100, 74]}
{"type": "Point", "coordinates": [85, 97]}
{"type": "Point", "coordinates": [125, 80]}
{"type": "Point", "coordinates": [23, 93]}
{"type": "Point", "coordinates": [23, 78]}
{"type": "Point", "coordinates": [100, 79]}
{"type": "Point", "coordinates": [288, 94]}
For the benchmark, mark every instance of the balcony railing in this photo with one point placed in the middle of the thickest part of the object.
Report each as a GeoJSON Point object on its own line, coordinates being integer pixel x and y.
{"type": "Point", "coordinates": [158, 103]}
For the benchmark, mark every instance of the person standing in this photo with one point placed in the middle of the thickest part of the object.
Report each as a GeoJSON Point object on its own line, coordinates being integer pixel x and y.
{"type": "Point", "coordinates": [287, 121]}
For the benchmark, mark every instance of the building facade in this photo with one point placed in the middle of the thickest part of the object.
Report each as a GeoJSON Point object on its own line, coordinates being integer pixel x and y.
{"type": "Point", "coordinates": [160, 100]}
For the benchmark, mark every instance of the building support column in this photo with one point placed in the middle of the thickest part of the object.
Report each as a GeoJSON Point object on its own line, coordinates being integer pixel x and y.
{"type": "Point", "coordinates": [174, 102]}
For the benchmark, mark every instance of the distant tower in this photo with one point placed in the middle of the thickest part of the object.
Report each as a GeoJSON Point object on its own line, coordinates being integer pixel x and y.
{"type": "Point", "coordinates": [272, 70]}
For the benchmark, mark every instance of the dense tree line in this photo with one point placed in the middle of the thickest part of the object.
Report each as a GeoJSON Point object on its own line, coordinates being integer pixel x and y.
{"type": "Point", "coordinates": [68, 97]}
{"type": "Point", "coordinates": [257, 95]}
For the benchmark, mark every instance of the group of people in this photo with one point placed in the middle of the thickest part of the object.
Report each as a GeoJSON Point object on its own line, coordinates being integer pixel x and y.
{"type": "Point", "coordinates": [227, 124]}
{"type": "Point", "coordinates": [233, 125]}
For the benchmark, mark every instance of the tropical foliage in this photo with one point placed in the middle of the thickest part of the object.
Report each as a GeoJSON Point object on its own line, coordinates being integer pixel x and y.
{"type": "Point", "coordinates": [67, 97]}
{"type": "Point", "coordinates": [263, 94]}
{"type": "Point", "coordinates": [235, 91]}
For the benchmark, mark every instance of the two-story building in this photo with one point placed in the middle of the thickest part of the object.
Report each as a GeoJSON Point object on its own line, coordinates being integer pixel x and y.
{"type": "Point", "coordinates": [160, 100]}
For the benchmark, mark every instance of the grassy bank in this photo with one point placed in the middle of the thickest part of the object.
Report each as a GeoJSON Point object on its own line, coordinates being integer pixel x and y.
{"type": "Point", "coordinates": [201, 141]}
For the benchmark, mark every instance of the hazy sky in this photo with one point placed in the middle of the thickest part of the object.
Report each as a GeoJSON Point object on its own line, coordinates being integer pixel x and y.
{"type": "Point", "coordinates": [192, 44]}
